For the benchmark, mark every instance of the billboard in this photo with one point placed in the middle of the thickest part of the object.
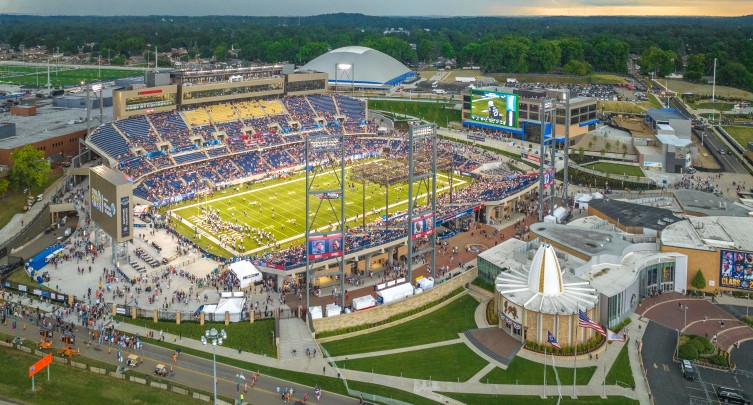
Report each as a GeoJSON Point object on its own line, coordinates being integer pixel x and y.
{"type": "Point", "coordinates": [548, 177]}
{"type": "Point", "coordinates": [322, 246]}
{"type": "Point", "coordinates": [736, 270]}
{"type": "Point", "coordinates": [422, 226]}
{"type": "Point", "coordinates": [111, 196]}
{"type": "Point", "coordinates": [491, 107]}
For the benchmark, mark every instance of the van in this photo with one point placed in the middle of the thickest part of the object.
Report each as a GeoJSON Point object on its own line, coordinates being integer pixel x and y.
{"type": "Point", "coordinates": [67, 231]}
{"type": "Point", "coordinates": [439, 91]}
{"type": "Point", "coordinates": [40, 198]}
{"type": "Point", "coordinates": [434, 85]}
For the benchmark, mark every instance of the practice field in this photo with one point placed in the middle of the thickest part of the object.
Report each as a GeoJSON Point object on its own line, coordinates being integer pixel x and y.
{"type": "Point", "coordinates": [742, 135]}
{"type": "Point", "coordinates": [682, 86]}
{"type": "Point", "coordinates": [615, 168]}
{"type": "Point", "coordinates": [33, 75]}
{"type": "Point", "coordinates": [279, 208]}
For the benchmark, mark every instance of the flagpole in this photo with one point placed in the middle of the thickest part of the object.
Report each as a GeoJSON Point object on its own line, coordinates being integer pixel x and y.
{"type": "Point", "coordinates": [545, 367]}
{"type": "Point", "coordinates": [604, 389]}
{"type": "Point", "coordinates": [575, 356]}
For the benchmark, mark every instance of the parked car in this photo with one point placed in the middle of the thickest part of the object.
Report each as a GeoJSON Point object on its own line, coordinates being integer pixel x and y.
{"type": "Point", "coordinates": [727, 395]}
{"type": "Point", "coordinates": [687, 369]}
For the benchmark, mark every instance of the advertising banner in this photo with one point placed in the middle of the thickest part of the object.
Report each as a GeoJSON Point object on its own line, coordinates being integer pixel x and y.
{"type": "Point", "coordinates": [325, 245]}
{"type": "Point", "coordinates": [736, 270]}
{"type": "Point", "coordinates": [422, 226]}
{"type": "Point", "coordinates": [125, 219]}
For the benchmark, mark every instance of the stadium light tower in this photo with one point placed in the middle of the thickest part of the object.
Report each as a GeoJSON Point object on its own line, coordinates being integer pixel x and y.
{"type": "Point", "coordinates": [345, 67]}
{"type": "Point", "coordinates": [422, 178]}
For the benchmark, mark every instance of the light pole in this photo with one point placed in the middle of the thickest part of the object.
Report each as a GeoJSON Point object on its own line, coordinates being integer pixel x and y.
{"type": "Point", "coordinates": [216, 338]}
{"type": "Point", "coordinates": [685, 313]}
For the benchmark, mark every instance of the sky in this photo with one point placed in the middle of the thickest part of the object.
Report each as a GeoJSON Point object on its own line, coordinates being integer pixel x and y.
{"type": "Point", "coordinates": [573, 8]}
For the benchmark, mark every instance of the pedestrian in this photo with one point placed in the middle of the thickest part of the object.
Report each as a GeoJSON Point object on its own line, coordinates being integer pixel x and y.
{"type": "Point", "coordinates": [324, 369]}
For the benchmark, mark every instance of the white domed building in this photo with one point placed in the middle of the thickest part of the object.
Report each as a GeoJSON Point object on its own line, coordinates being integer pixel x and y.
{"type": "Point", "coordinates": [531, 302]}
{"type": "Point", "coordinates": [360, 67]}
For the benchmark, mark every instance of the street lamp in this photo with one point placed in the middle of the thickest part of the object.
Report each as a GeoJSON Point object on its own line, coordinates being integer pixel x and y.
{"type": "Point", "coordinates": [216, 338]}
{"type": "Point", "coordinates": [239, 378]}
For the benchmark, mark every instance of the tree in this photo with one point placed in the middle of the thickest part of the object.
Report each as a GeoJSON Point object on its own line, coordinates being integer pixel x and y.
{"type": "Point", "coordinates": [426, 50]}
{"type": "Point", "coordinates": [696, 67]}
{"type": "Point", "coordinates": [659, 61]}
{"type": "Point", "coordinates": [572, 49]}
{"type": "Point", "coordinates": [4, 183]}
{"type": "Point", "coordinates": [447, 51]}
{"type": "Point", "coordinates": [699, 281]}
{"type": "Point", "coordinates": [545, 56]}
{"type": "Point", "coordinates": [734, 74]}
{"type": "Point", "coordinates": [311, 50]}
{"type": "Point", "coordinates": [30, 169]}
{"type": "Point", "coordinates": [220, 53]}
{"type": "Point", "coordinates": [577, 67]}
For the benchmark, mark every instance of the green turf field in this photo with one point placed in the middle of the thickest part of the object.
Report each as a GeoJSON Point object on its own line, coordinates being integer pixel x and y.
{"type": "Point", "coordinates": [441, 113]}
{"type": "Point", "coordinates": [742, 135]}
{"type": "Point", "coordinates": [443, 324]}
{"type": "Point", "coordinates": [279, 207]}
{"type": "Point", "coordinates": [621, 373]}
{"type": "Point", "coordinates": [527, 372]}
{"type": "Point", "coordinates": [33, 75]}
{"type": "Point", "coordinates": [484, 399]}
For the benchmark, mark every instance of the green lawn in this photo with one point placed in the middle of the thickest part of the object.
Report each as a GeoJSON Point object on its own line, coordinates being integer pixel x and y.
{"type": "Point", "coordinates": [442, 324]}
{"type": "Point", "coordinates": [30, 76]}
{"type": "Point", "coordinates": [13, 202]}
{"type": "Point", "coordinates": [621, 371]}
{"type": "Point", "coordinates": [707, 104]}
{"type": "Point", "coordinates": [69, 385]}
{"type": "Point", "coordinates": [287, 199]}
{"type": "Point", "coordinates": [444, 363]}
{"type": "Point", "coordinates": [616, 168]}
{"type": "Point", "coordinates": [481, 399]}
{"type": "Point", "coordinates": [602, 78]}
{"type": "Point", "coordinates": [440, 113]}
{"type": "Point", "coordinates": [742, 135]}
{"type": "Point", "coordinates": [526, 372]}
{"type": "Point", "coordinates": [254, 338]}
{"type": "Point", "coordinates": [381, 390]}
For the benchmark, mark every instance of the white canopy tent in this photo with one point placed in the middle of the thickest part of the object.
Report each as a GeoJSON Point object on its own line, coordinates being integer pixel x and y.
{"type": "Point", "coordinates": [246, 272]}
{"type": "Point", "coordinates": [233, 306]}
{"type": "Point", "coordinates": [316, 312]}
{"type": "Point", "coordinates": [396, 293]}
{"type": "Point", "coordinates": [333, 310]}
{"type": "Point", "coordinates": [365, 302]}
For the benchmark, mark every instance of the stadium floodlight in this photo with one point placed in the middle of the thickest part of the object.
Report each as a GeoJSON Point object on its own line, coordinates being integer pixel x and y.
{"type": "Point", "coordinates": [344, 66]}
{"type": "Point", "coordinates": [96, 87]}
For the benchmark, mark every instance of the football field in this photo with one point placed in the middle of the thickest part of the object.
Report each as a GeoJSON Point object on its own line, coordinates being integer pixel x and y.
{"type": "Point", "coordinates": [63, 76]}
{"type": "Point", "coordinates": [279, 207]}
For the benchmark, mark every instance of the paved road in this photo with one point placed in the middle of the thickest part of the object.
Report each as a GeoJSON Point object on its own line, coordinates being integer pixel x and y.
{"type": "Point", "coordinates": [197, 372]}
{"type": "Point", "coordinates": [668, 385]}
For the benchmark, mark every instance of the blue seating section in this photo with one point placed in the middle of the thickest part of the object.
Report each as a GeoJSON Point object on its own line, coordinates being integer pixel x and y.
{"type": "Point", "coordinates": [352, 108]}
{"type": "Point", "coordinates": [110, 141]}
{"type": "Point", "coordinates": [171, 128]}
{"type": "Point", "coordinates": [300, 111]}
{"type": "Point", "coordinates": [189, 157]}
{"type": "Point", "coordinates": [139, 132]}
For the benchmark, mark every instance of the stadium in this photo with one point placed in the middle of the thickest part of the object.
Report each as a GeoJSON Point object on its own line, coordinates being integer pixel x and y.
{"type": "Point", "coordinates": [228, 174]}
{"type": "Point", "coordinates": [360, 67]}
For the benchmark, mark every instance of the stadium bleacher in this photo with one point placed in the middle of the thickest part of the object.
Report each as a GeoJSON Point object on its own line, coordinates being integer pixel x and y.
{"type": "Point", "coordinates": [138, 132]}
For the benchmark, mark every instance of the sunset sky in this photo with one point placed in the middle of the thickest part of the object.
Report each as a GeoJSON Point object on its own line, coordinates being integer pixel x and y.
{"type": "Point", "coordinates": [381, 7]}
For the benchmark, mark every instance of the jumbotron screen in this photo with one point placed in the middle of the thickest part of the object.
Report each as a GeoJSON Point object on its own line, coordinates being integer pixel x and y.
{"type": "Point", "coordinates": [491, 107]}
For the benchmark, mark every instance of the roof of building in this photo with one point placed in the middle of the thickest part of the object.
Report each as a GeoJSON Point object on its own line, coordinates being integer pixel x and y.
{"type": "Point", "coordinates": [544, 287]}
{"type": "Point", "coordinates": [710, 233]}
{"type": "Point", "coordinates": [588, 241]}
{"type": "Point", "coordinates": [50, 122]}
{"type": "Point", "coordinates": [709, 204]}
{"type": "Point", "coordinates": [664, 114]}
{"type": "Point", "coordinates": [364, 65]}
{"type": "Point", "coordinates": [631, 214]}
{"type": "Point", "coordinates": [673, 140]}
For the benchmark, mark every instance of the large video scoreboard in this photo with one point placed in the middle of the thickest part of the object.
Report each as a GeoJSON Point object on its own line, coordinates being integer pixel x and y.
{"type": "Point", "coordinates": [491, 107]}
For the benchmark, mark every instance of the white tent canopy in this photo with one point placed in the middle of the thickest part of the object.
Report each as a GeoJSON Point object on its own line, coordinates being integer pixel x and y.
{"type": "Point", "coordinates": [233, 306]}
{"type": "Point", "coordinates": [316, 312]}
{"type": "Point", "coordinates": [333, 310]}
{"type": "Point", "coordinates": [365, 302]}
{"type": "Point", "coordinates": [246, 272]}
{"type": "Point", "coordinates": [396, 293]}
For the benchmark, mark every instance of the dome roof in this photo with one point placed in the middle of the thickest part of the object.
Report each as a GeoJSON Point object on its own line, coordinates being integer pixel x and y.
{"type": "Point", "coordinates": [544, 287]}
{"type": "Point", "coordinates": [545, 276]}
{"type": "Point", "coordinates": [364, 66]}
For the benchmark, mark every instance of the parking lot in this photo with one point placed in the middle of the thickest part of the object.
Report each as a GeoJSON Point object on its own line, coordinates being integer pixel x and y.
{"type": "Point", "coordinates": [666, 381]}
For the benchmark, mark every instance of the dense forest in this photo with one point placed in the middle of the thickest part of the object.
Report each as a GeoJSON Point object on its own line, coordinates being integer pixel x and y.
{"type": "Point", "coordinates": [571, 45]}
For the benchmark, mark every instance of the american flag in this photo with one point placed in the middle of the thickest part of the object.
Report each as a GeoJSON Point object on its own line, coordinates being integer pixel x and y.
{"type": "Point", "coordinates": [552, 340]}
{"type": "Point", "coordinates": [585, 322]}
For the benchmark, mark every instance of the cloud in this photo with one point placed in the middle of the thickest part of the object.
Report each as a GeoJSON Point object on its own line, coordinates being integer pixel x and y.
{"type": "Point", "coordinates": [382, 7]}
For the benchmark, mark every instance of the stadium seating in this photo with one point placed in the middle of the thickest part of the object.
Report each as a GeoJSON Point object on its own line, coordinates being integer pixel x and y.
{"type": "Point", "coordinates": [171, 127]}
{"type": "Point", "coordinates": [324, 106]}
{"type": "Point", "coordinates": [353, 109]}
{"type": "Point", "coordinates": [222, 113]}
{"type": "Point", "coordinates": [110, 141]}
{"type": "Point", "coordinates": [189, 157]}
{"type": "Point", "coordinates": [197, 117]}
{"type": "Point", "coordinates": [138, 132]}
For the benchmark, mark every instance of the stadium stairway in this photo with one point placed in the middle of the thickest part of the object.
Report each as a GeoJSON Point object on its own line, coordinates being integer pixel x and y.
{"type": "Point", "coordinates": [295, 335]}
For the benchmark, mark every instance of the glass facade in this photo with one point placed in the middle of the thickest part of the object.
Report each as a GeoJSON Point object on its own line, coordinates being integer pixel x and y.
{"type": "Point", "coordinates": [487, 271]}
{"type": "Point", "coordinates": [199, 94]}
{"type": "Point", "coordinates": [306, 85]}
{"type": "Point", "coordinates": [657, 277]}
{"type": "Point", "coordinates": [150, 101]}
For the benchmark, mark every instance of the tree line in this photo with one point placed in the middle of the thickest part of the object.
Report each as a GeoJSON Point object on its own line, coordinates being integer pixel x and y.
{"type": "Point", "coordinates": [570, 45]}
